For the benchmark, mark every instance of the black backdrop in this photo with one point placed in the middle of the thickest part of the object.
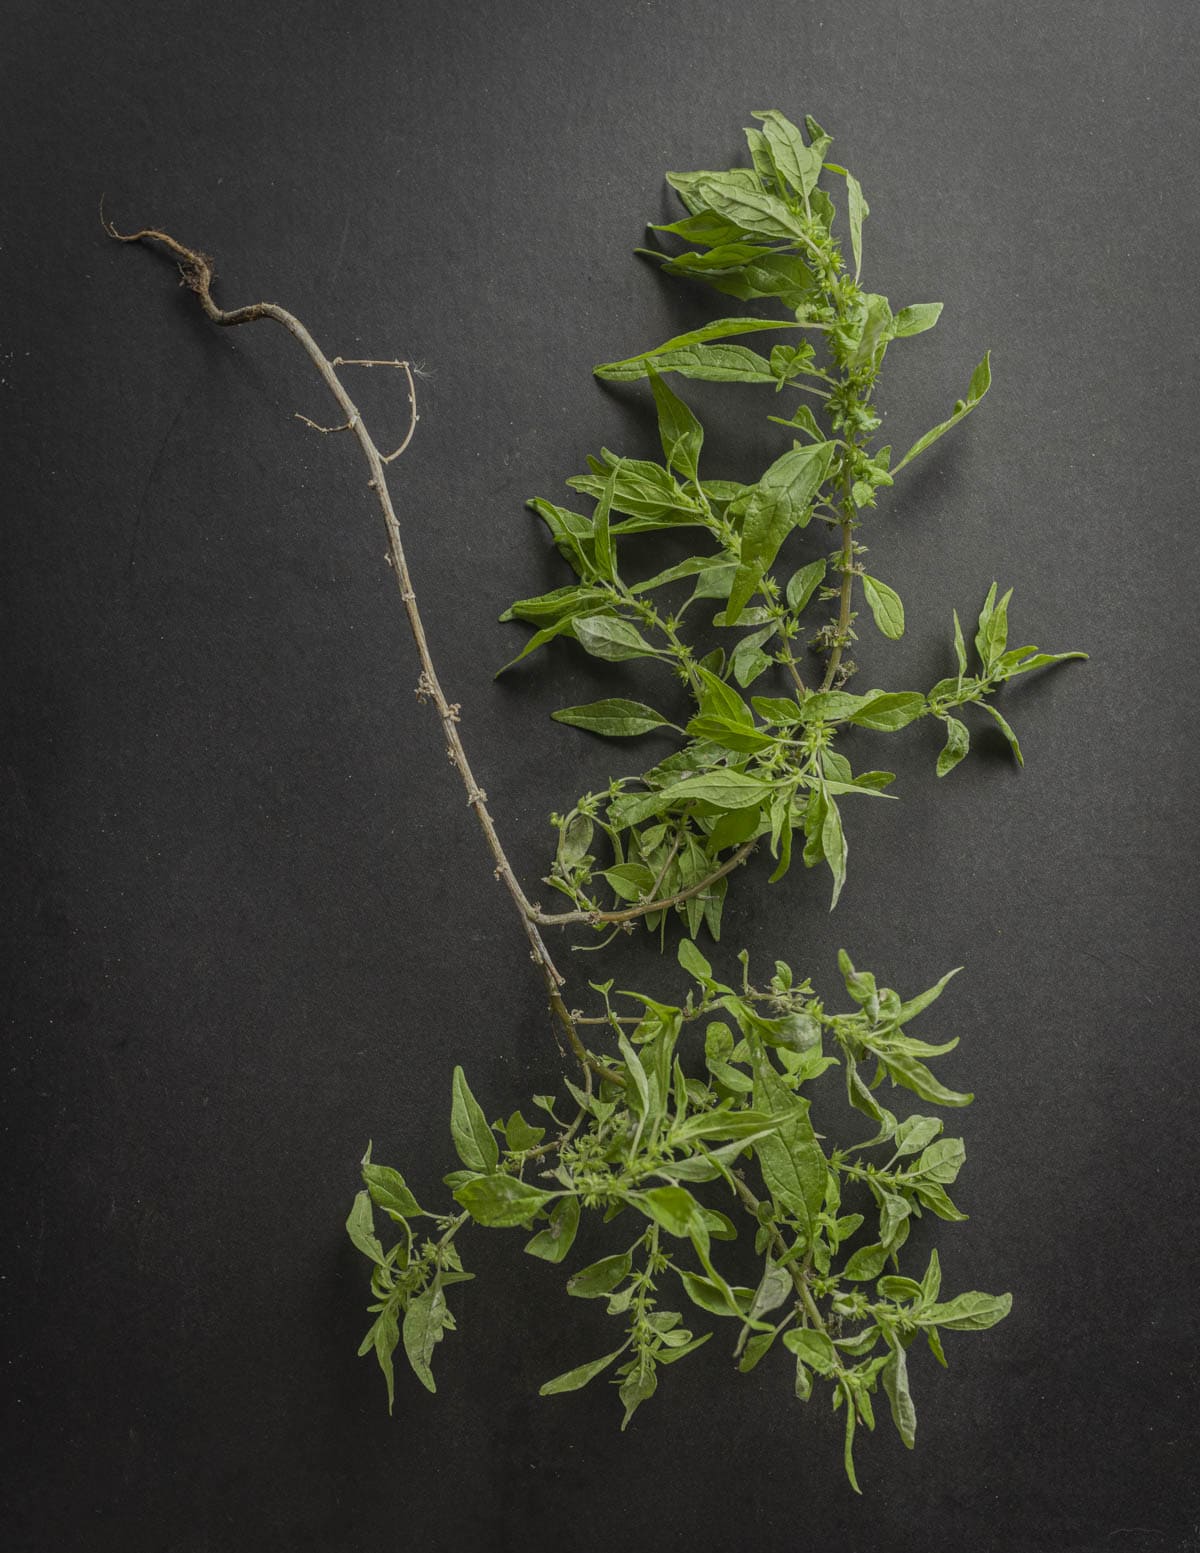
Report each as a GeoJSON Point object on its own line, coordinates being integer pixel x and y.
{"type": "Point", "coordinates": [250, 924]}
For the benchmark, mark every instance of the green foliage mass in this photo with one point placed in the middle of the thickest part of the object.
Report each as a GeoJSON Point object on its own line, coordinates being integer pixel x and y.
{"type": "Point", "coordinates": [766, 751]}
{"type": "Point", "coordinates": [692, 1120]}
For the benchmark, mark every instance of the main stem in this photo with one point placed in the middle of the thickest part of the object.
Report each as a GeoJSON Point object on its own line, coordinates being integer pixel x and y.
{"type": "Point", "coordinates": [197, 271]}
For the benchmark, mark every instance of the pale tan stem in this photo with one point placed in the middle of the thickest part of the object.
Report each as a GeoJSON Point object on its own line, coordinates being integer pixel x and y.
{"type": "Point", "coordinates": [197, 272]}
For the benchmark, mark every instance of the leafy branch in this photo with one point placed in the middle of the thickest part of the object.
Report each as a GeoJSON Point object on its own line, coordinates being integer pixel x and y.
{"type": "Point", "coordinates": [751, 767]}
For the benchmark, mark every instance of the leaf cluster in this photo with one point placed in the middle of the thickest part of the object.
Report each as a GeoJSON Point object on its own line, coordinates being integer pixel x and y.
{"type": "Point", "coordinates": [704, 1125]}
{"type": "Point", "coordinates": [765, 751]}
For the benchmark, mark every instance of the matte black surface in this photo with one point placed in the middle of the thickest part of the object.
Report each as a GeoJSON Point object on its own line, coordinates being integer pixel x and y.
{"type": "Point", "coordinates": [250, 925]}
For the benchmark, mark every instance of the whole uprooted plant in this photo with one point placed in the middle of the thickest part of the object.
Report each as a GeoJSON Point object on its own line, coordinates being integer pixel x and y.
{"type": "Point", "coordinates": [683, 1111]}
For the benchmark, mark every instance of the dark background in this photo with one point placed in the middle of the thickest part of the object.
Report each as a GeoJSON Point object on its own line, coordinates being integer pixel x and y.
{"type": "Point", "coordinates": [250, 925]}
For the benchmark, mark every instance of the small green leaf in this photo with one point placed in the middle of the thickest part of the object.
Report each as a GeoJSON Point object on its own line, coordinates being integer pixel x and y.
{"type": "Point", "coordinates": [973, 1312]}
{"type": "Point", "coordinates": [895, 1382]}
{"type": "Point", "coordinates": [779, 502]}
{"type": "Point", "coordinates": [719, 329]}
{"type": "Point", "coordinates": [857, 210]}
{"type": "Point", "coordinates": [672, 1207]}
{"type": "Point", "coordinates": [914, 1133]}
{"type": "Point", "coordinates": [694, 962]}
{"type": "Point", "coordinates": [960, 647]}
{"type": "Point", "coordinates": [553, 1242]}
{"type": "Point", "coordinates": [942, 1160]}
{"type": "Point", "coordinates": [360, 1226]}
{"type": "Point", "coordinates": [834, 847]}
{"type": "Point", "coordinates": [474, 1141]}
{"type": "Point", "coordinates": [389, 1192]}
{"type": "Point", "coordinates": [600, 1278]}
{"type": "Point", "coordinates": [615, 718]}
{"type": "Point", "coordinates": [885, 606]}
{"type": "Point", "coordinates": [890, 711]}
{"type": "Point", "coordinates": [574, 1379]}
{"type": "Point", "coordinates": [917, 317]}
{"type": "Point", "coordinates": [814, 1348]}
{"type": "Point", "coordinates": [680, 432]}
{"type": "Point", "coordinates": [501, 1201]}
{"type": "Point", "coordinates": [866, 1263]}
{"type": "Point", "coordinates": [804, 583]}
{"type": "Point", "coordinates": [958, 742]}
{"type": "Point", "coordinates": [611, 638]}
{"type": "Point", "coordinates": [426, 1321]}
{"type": "Point", "coordinates": [1005, 730]}
{"type": "Point", "coordinates": [981, 381]}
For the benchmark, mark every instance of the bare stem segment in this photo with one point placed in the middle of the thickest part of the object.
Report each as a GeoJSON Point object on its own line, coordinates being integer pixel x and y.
{"type": "Point", "coordinates": [196, 270]}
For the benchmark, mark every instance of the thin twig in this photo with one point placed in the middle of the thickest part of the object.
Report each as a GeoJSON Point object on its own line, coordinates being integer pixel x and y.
{"type": "Point", "coordinates": [643, 908]}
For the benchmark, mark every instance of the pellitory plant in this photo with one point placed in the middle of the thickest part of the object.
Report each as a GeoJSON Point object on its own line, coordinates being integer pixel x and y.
{"type": "Point", "coordinates": [688, 1121]}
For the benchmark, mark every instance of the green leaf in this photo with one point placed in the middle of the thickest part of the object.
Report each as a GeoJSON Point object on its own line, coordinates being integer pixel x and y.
{"type": "Point", "coordinates": [474, 1141]}
{"type": "Point", "coordinates": [637, 1387]}
{"type": "Point", "coordinates": [706, 364]}
{"type": "Point", "coordinates": [833, 846]}
{"type": "Point", "coordinates": [563, 627]}
{"type": "Point", "coordinates": [779, 502]}
{"type": "Point", "coordinates": [573, 1380]}
{"type": "Point", "coordinates": [611, 638]}
{"type": "Point", "coordinates": [383, 1338]}
{"type": "Point", "coordinates": [518, 1134]}
{"type": "Point", "coordinates": [992, 636]}
{"type": "Point", "coordinates": [710, 1296]}
{"type": "Point", "coordinates": [885, 606]}
{"type": "Point", "coordinates": [890, 711]}
{"type": "Point", "coordinates": [960, 647]}
{"type": "Point", "coordinates": [866, 1263]}
{"type": "Point", "coordinates": [720, 328]}
{"type": "Point", "coordinates": [895, 1382]}
{"type": "Point", "coordinates": [721, 788]}
{"type": "Point", "coordinates": [981, 381]}
{"type": "Point", "coordinates": [876, 332]}
{"type": "Point", "coordinates": [694, 962]}
{"type": "Point", "coordinates": [426, 1321]}
{"type": "Point", "coordinates": [792, 1162]}
{"type": "Point", "coordinates": [360, 1226]}
{"type": "Point", "coordinates": [605, 551]}
{"type": "Point", "coordinates": [914, 1075]}
{"type": "Point", "coordinates": [942, 1160]}
{"type": "Point", "coordinates": [680, 432]}
{"type": "Point", "coordinates": [973, 1312]}
{"type": "Point", "coordinates": [804, 583]}
{"type": "Point", "coordinates": [501, 1201]}
{"type": "Point", "coordinates": [857, 210]}
{"type": "Point", "coordinates": [738, 198]}
{"type": "Point", "coordinates": [389, 1192]}
{"type": "Point", "coordinates": [600, 1278]}
{"type": "Point", "coordinates": [1005, 730]}
{"type": "Point", "coordinates": [799, 164]}
{"type": "Point", "coordinates": [615, 718]}
{"type": "Point", "coordinates": [672, 1207]}
{"type": "Point", "coordinates": [916, 318]}
{"type": "Point", "coordinates": [921, 1002]}
{"type": "Point", "coordinates": [637, 1073]}
{"type": "Point", "coordinates": [914, 1133]}
{"type": "Point", "coordinates": [1039, 660]}
{"type": "Point", "coordinates": [958, 742]}
{"type": "Point", "coordinates": [898, 1289]}
{"type": "Point", "coordinates": [553, 1242]}
{"type": "Point", "coordinates": [848, 1449]}
{"type": "Point", "coordinates": [815, 1348]}
{"type": "Point", "coordinates": [561, 603]}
